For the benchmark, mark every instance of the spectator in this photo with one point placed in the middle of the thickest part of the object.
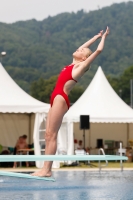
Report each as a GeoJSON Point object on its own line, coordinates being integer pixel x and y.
{"type": "Point", "coordinates": [21, 144]}
{"type": "Point", "coordinates": [87, 149]}
{"type": "Point", "coordinates": [24, 140]}
{"type": "Point", "coordinates": [80, 145]}
{"type": "Point", "coordinates": [75, 144]}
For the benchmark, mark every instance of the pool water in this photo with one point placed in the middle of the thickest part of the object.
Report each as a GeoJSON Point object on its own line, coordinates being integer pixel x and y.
{"type": "Point", "coordinates": [88, 185]}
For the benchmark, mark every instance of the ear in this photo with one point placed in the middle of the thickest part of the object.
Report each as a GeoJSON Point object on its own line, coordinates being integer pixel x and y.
{"type": "Point", "coordinates": [84, 58]}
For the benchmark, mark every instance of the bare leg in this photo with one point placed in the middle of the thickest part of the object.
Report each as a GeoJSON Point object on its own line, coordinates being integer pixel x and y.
{"type": "Point", "coordinates": [15, 165]}
{"type": "Point", "coordinates": [55, 117]}
{"type": "Point", "coordinates": [27, 164]}
{"type": "Point", "coordinates": [47, 127]}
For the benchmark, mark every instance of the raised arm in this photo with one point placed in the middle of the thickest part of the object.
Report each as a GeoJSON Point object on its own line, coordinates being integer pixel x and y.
{"type": "Point", "coordinates": [92, 40]}
{"type": "Point", "coordinates": [85, 65]}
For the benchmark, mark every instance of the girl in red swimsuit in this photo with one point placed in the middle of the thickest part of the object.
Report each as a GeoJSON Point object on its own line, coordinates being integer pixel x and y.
{"type": "Point", "coordinates": [82, 58]}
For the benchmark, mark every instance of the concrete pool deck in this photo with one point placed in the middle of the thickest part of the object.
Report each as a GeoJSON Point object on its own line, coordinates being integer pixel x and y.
{"type": "Point", "coordinates": [83, 169]}
{"type": "Point", "coordinates": [112, 167]}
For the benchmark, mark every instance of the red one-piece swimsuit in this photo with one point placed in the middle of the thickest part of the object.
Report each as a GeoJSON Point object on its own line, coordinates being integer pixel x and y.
{"type": "Point", "coordinates": [64, 76]}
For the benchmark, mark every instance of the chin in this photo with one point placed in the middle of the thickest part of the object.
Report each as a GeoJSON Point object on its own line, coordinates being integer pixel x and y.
{"type": "Point", "coordinates": [75, 54]}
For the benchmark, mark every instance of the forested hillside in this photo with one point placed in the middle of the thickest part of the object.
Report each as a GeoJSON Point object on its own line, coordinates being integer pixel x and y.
{"type": "Point", "coordinates": [41, 48]}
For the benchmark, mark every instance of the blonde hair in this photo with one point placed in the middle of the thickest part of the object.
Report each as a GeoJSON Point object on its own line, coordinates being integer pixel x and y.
{"type": "Point", "coordinates": [88, 52]}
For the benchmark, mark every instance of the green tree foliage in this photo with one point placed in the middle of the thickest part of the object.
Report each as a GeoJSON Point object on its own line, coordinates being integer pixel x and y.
{"type": "Point", "coordinates": [43, 88]}
{"type": "Point", "coordinates": [122, 84]}
{"type": "Point", "coordinates": [42, 48]}
{"type": "Point", "coordinates": [24, 76]}
{"type": "Point", "coordinates": [75, 94]}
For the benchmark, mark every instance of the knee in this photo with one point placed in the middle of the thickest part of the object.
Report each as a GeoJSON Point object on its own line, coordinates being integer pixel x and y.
{"type": "Point", "coordinates": [50, 136]}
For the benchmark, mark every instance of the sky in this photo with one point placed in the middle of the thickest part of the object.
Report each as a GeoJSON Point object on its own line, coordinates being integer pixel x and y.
{"type": "Point", "coordinates": [21, 10]}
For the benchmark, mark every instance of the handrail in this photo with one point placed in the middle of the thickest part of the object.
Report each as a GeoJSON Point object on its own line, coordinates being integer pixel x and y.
{"type": "Point", "coordinates": [121, 151]}
{"type": "Point", "coordinates": [100, 166]}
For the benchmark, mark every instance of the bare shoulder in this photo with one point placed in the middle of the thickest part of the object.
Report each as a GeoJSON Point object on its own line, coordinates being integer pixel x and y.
{"type": "Point", "coordinates": [76, 65]}
{"type": "Point", "coordinates": [79, 70]}
{"type": "Point", "coordinates": [79, 65]}
{"type": "Point", "coordinates": [82, 66]}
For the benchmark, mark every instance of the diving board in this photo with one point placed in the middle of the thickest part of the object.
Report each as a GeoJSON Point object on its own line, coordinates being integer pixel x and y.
{"type": "Point", "coordinates": [21, 175]}
{"type": "Point", "coordinates": [13, 158]}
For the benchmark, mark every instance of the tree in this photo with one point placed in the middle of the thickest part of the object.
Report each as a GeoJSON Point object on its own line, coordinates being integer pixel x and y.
{"type": "Point", "coordinates": [122, 84]}
{"type": "Point", "coordinates": [42, 88]}
{"type": "Point", "coordinates": [76, 92]}
{"type": "Point", "coordinates": [41, 48]}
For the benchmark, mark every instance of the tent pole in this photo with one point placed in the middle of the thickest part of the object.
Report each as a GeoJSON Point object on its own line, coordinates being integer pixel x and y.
{"type": "Point", "coordinates": [90, 137]}
{"type": "Point", "coordinates": [84, 137]}
{"type": "Point", "coordinates": [29, 128]}
{"type": "Point", "coordinates": [127, 133]}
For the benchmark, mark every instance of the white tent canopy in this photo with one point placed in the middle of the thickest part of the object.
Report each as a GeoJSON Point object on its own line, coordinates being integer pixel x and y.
{"type": "Point", "coordinates": [16, 108]}
{"type": "Point", "coordinates": [15, 100]}
{"type": "Point", "coordinates": [101, 102]}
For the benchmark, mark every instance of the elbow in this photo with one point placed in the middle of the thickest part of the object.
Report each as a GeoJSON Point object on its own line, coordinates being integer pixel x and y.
{"type": "Point", "coordinates": [99, 50]}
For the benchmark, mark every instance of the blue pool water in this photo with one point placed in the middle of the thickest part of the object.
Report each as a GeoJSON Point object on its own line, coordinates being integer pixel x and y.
{"type": "Point", "coordinates": [113, 185]}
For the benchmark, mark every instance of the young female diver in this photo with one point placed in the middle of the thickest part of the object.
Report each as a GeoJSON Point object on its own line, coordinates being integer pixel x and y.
{"type": "Point", "coordinates": [82, 58]}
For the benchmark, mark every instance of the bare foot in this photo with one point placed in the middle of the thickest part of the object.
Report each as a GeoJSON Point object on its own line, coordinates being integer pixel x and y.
{"type": "Point", "coordinates": [42, 173]}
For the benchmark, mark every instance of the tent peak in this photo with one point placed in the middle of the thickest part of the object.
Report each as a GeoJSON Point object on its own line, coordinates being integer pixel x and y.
{"type": "Point", "coordinates": [15, 99]}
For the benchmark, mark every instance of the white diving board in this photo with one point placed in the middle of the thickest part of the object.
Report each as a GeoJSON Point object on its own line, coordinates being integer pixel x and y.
{"type": "Point", "coordinates": [28, 176]}
{"type": "Point", "coordinates": [13, 158]}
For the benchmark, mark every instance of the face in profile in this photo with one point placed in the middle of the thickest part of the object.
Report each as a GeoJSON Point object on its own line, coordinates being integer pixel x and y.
{"type": "Point", "coordinates": [82, 54]}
